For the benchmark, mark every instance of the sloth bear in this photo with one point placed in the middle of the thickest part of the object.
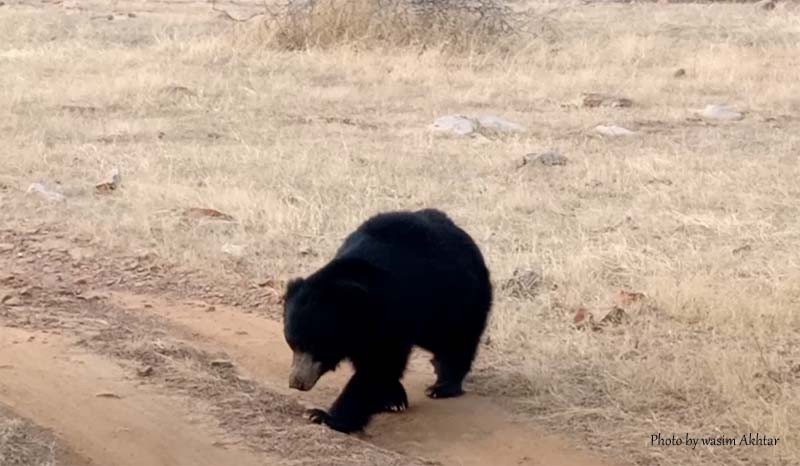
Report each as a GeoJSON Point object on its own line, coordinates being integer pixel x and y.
{"type": "Point", "coordinates": [402, 279]}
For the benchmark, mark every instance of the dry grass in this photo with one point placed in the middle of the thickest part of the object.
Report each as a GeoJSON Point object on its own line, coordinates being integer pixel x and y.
{"type": "Point", "coordinates": [300, 147]}
{"type": "Point", "coordinates": [22, 445]}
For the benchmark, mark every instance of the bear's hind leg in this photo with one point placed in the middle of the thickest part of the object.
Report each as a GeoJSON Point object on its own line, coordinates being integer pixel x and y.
{"type": "Point", "coordinates": [450, 373]}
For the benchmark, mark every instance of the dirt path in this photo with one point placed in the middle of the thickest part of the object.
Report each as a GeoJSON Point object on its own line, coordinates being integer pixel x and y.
{"type": "Point", "coordinates": [104, 416]}
{"type": "Point", "coordinates": [469, 430]}
{"type": "Point", "coordinates": [217, 390]}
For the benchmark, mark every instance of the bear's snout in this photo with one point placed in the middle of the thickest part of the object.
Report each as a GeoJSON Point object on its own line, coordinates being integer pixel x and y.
{"type": "Point", "coordinates": [305, 372]}
{"type": "Point", "coordinates": [299, 384]}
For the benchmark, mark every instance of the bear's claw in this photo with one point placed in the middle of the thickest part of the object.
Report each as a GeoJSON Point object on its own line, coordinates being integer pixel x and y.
{"type": "Point", "coordinates": [444, 391]}
{"type": "Point", "coordinates": [317, 416]}
{"type": "Point", "coordinates": [396, 407]}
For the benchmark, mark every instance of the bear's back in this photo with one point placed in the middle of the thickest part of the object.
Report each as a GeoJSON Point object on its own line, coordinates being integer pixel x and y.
{"type": "Point", "coordinates": [423, 232]}
{"type": "Point", "coordinates": [427, 234]}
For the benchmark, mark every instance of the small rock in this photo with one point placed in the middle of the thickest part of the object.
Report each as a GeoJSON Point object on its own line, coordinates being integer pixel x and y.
{"type": "Point", "coordinates": [82, 281]}
{"type": "Point", "coordinates": [766, 5]}
{"type": "Point", "coordinates": [108, 395]}
{"type": "Point", "coordinates": [210, 309]}
{"type": "Point", "coordinates": [613, 130]}
{"type": "Point", "coordinates": [6, 247]}
{"type": "Point", "coordinates": [457, 124]}
{"type": "Point", "coordinates": [592, 99]}
{"type": "Point", "coordinates": [233, 250]}
{"type": "Point", "coordinates": [41, 190]}
{"type": "Point", "coordinates": [498, 124]}
{"type": "Point", "coordinates": [550, 159]}
{"type": "Point", "coordinates": [463, 125]}
{"type": "Point", "coordinates": [720, 112]}
{"type": "Point", "coordinates": [145, 371]}
{"type": "Point", "coordinates": [679, 73]}
{"type": "Point", "coordinates": [224, 363]}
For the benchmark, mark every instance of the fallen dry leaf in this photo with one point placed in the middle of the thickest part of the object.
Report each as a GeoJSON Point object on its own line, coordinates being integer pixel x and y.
{"type": "Point", "coordinates": [582, 317]}
{"type": "Point", "coordinates": [104, 188]}
{"type": "Point", "coordinates": [614, 314]}
{"type": "Point", "coordinates": [110, 183]}
{"type": "Point", "coordinates": [625, 298]}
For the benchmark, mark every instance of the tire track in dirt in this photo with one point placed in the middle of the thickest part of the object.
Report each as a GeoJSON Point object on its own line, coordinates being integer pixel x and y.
{"type": "Point", "coordinates": [470, 430]}
{"type": "Point", "coordinates": [103, 415]}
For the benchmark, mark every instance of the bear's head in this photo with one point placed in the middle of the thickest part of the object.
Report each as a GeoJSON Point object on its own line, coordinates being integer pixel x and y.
{"type": "Point", "coordinates": [320, 316]}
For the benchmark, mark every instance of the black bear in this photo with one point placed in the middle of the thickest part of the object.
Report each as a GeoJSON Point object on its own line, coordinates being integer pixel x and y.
{"type": "Point", "coordinates": [401, 279]}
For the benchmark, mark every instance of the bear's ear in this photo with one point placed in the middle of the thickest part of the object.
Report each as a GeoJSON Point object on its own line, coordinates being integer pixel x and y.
{"type": "Point", "coordinates": [292, 287]}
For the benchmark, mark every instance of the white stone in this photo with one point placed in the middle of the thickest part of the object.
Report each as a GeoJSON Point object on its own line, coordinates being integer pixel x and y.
{"type": "Point", "coordinates": [613, 130]}
{"type": "Point", "coordinates": [457, 124]}
{"type": "Point", "coordinates": [497, 123]}
{"type": "Point", "coordinates": [720, 112]}
{"type": "Point", "coordinates": [41, 190]}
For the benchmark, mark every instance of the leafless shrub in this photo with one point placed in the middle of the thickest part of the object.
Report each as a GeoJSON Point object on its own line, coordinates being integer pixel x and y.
{"type": "Point", "coordinates": [455, 25]}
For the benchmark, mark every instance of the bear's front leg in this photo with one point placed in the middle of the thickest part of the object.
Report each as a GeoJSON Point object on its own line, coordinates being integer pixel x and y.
{"type": "Point", "coordinates": [361, 398]}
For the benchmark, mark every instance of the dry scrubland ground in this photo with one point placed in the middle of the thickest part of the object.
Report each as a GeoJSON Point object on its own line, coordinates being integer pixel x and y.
{"type": "Point", "coordinates": [701, 216]}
